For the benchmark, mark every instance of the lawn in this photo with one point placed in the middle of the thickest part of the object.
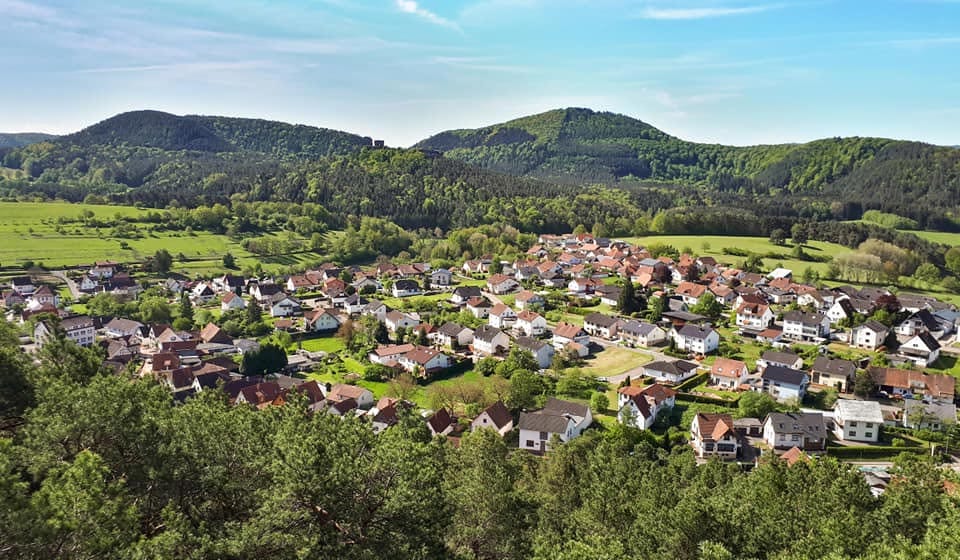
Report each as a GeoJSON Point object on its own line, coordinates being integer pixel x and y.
{"type": "Point", "coordinates": [613, 361]}
{"type": "Point", "coordinates": [328, 344]}
{"type": "Point", "coordinates": [947, 238]}
{"type": "Point", "coordinates": [420, 395]}
{"type": "Point", "coordinates": [28, 232]}
{"type": "Point", "coordinates": [713, 245]}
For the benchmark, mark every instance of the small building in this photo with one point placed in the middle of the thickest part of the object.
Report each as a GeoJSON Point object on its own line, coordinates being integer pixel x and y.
{"type": "Point", "coordinates": [527, 299]}
{"type": "Point", "coordinates": [870, 335]}
{"type": "Point", "coordinates": [441, 277]}
{"type": "Point", "coordinates": [728, 374]}
{"type": "Point", "coordinates": [640, 406]}
{"type": "Point", "coordinates": [501, 284]}
{"type": "Point", "coordinates": [441, 423]}
{"type": "Point", "coordinates": [531, 323]}
{"type": "Point", "coordinates": [782, 359]}
{"type": "Point", "coordinates": [838, 374]}
{"type": "Point", "coordinates": [488, 340]}
{"type": "Point", "coordinates": [784, 383]}
{"type": "Point", "coordinates": [231, 301]}
{"type": "Point", "coordinates": [804, 430]}
{"type": "Point", "coordinates": [712, 435]}
{"type": "Point", "coordinates": [405, 287]}
{"type": "Point", "coordinates": [479, 307]}
{"type": "Point", "coordinates": [700, 339]}
{"type": "Point", "coordinates": [453, 335]}
{"type": "Point", "coordinates": [542, 352]}
{"type": "Point", "coordinates": [495, 417]}
{"type": "Point", "coordinates": [563, 419]}
{"type": "Point", "coordinates": [922, 349]}
{"type": "Point", "coordinates": [919, 415]}
{"type": "Point", "coordinates": [754, 316]}
{"type": "Point", "coordinates": [342, 392]}
{"type": "Point", "coordinates": [642, 334]}
{"type": "Point", "coordinates": [604, 326]}
{"type": "Point", "coordinates": [670, 372]}
{"type": "Point", "coordinates": [857, 420]}
{"type": "Point", "coordinates": [801, 325]}
{"type": "Point", "coordinates": [463, 294]}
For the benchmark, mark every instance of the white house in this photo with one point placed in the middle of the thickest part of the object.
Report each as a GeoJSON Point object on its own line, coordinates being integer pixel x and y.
{"type": "Point", "coordinates": [342, 392]}
{"type": "Point", "coordinates": [120, 327]}
{"type": "Point", "coordinates": [604, 326]}
{"type": "Point", "coordinates": [784, 383]}
{"type": "Point", "coordinates": [441, 277]}
{"type": "Point", "coordinates": [441, 423]}
{"type": "Point", "coordinates": [727, 373]}
{"type": "Point", "coordinates": [712, 435]}
{"type": "Point", "coordinates": [396, 320]}
{"type": "Point", "coordinates": [840, 310]}
{"type": "Point", "coordinates": [23, 285]}
{"type": "Point", "coordinates": [502, 316]}
{"type": "Point", "coordinates": [425, 361]}
{"type": "Point", "coordinates": [78, 328]}
{"type": "Point", "coordinates": [642, 334]}
{"type": "Point", "coordinates": [922, 349]}
{"type": "Point", "coordinates": [754, 316]}
{"type": "Point", "coordinates": [463, 294]}
{"type": "Point", "coordinates": [231, 301]}
{"type": "Point", "coordinates": [495, 417]}
{"type": "Point", "coordinates": [782, 359]}
{"type": "Point", "coordinates": [857, 420]}
{"type": "Point", "coordinates": [284, 306]}
{"type": "Point", "coordinates": [527, 299]}
{"type": "Point", "coordinates": [321, 320]}
{"type": "Point", "coordinates": [405, 287]}
{"type": "Point", "coordinates": [202, 293]}
{"type": "Point", "coordinates": [488, 340]}
{"type": "Point", "coordinates": [639, 406]}
{"type": "Point", "coordinates": [376, 309]}
{"type": "Point", "coordinates": [386, 353]}
{"type": "Point", "coordinates": [563, 419]}
{"type": "Point", "coordinates": [670, 372]}
{"type": "Point", "coordinates": [690, 292]}
{"type": "Point", "coordinates": [804, 430]}
{"type": "Point", "coordinates": [453, 335]}
{"type": "Point", "coordinates": [531, 323]}
{"type": "Point", "coordinates": [542, 352]}
{"type": "Point", "coordinates": [565, 333]}
{"type": "Point", "coordinates": [870, 335]}
{"type": "Point", "coordinates": [700, 339]}
{"type": "Point", "coordinates": [800, 325]}
{"type": "Point", "coordinates": [501, 284]}
{"type": "Point", "coordinates": [479, 307]}
{"type": "Point", "coordinates": [928, 416]}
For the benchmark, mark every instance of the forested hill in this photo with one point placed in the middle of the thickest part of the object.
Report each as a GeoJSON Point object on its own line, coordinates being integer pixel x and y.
{"type": "Point", "coordinates": [14, 139]}
{"type": "Point", "coordinates": [156, 129]}
{"type": "Point", "coordinates": [581, 145]}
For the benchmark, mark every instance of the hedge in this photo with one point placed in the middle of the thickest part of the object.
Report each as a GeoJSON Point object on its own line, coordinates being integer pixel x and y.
{"type": "Point", "coordinates": [687, 397]}
{"type": "Point", "coordinates": [693, 381]}
{"type": "Point", "coordinates": [873, 451]}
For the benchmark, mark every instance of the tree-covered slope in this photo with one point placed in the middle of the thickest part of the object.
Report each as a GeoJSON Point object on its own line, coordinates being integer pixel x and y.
{"type": "Point", "coordinates": [156, 129]}
{"type": "Point", "coordinates": [14, 139]}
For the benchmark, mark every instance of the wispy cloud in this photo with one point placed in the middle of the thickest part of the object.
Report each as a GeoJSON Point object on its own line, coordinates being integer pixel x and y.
{"type": "Point", "coordinates": [412, 7]}
{"type": "Point", "coordinates": [686, 13]}
{"type": "Point", "coordinates": [921, 42]}
{"type": "Point", "coordinates": [180, 67]}
{"type": "Point", "coordinates": [480, 63]}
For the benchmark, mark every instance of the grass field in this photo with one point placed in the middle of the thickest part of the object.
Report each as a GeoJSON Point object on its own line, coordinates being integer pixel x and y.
{"type": "Point", "coordinates": [28, 233]}
{"type": "Point", "coordinates": [713, 245]}
{"type": "Point", "coordinates": [613, 361]}
{"type": "Point", "coordinates": [947, 238]}
{"type": "Point", "coordinates": [330, 344]}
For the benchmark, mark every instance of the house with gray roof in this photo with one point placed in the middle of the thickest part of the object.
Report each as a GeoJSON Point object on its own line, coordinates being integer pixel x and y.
{"type": "Point", "coordinates": [563, 419]}
{"type": "Point", "coordinates": [804, 430]}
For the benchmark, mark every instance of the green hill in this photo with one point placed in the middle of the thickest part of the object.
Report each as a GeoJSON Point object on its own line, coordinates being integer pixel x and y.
{"type": "Point", "coordinates": [14, 139]}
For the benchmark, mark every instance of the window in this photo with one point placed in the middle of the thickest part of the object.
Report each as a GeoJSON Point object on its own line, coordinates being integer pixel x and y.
{"type": "Point", "coordinates": [868, 435]}
{"type": "Point", "coordinates": [529, 443]}
{"type": "Point", "coordinates": [708, 447]}
{"type": "Point", "coordinates": [853, 423]}
{"type": "Point", "coordinates": [795, 437]}
{"type": "Point", "coordinates": [869, 424]}
{"type": "Point", "coordinates": [543, 435]}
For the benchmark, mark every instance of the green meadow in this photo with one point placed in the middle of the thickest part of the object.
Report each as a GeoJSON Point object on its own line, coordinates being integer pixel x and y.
{"type": "Point", "coordinates": [28, 232]}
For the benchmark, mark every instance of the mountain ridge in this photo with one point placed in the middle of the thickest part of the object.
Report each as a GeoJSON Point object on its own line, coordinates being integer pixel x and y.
{"type": "Point", "coordinates": [17, 139]}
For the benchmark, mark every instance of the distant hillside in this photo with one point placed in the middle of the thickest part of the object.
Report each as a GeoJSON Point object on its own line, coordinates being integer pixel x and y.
{"type": "Point", "coordinates": [14, 139]}
{"type": "Point", "coordinates": [580, 145]}
{"type": "Point", "coordinates": [156, 129]}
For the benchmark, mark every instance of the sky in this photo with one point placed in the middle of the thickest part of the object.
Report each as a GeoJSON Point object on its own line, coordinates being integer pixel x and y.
{"type": "Point", "coordinates": [728, 71]}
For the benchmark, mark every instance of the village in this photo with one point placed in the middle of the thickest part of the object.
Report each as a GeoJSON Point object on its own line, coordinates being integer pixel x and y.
{"type": "Point", "coordinates": [853, 372]}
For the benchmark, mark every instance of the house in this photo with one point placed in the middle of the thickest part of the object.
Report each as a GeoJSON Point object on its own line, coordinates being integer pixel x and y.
{"type": "Point", "coordinates": [639, 333]}
{"type": "Point", "coordinates": [501, 316]}
{"type": "Point", "coordinates": [376, 309]}
{"type": "Point", "coordinates": [202, 293]}
{"type": "Point", "coordinates": [700, 339]}
{"type": "Point", "coordinates": [604, 326]}
{"type": "Point", "coordinates": [639, 406]}
{"type": "Point", "coordinates": [804, 430]}
{"type": "Point", "coordinates": [838, 374]}
{"type": "Point", "coordinates": [479, 307]}
{"type": "Point", "coordinates": [754, 316]}
{"type": "Point", "coordinates": [857, 420]}
{"type": "Point", "coordinates": [387, 353]}
{"type": "Point", "coordinates": [782, 359]}
{"type": "Point", "coordinates": [231, 301]}
{"type": "Point", "coordinates": [527, 299]}
{"type": "Point", "coordinates": [501, 284]}
{"type": "Point", "coordinates": [264, 293]}
{"type": "Point", "coordinates": [542, 352]}
{"type": "Point", "coordinates": [441, 277]}
{"type": "Point", "coordinates": [565, 333]}
{"type": "Point", "coordinates": [462, 294]}
{"type": "Point", "coordinates": [870, 335]}
{"type": "Point", "coordinates": [321, 320]}
{"type": "Point", "coordinates": [405, 287]}
{"type": "Point", "coordinates": [728, 374]}
{"type": "Point", "coordinates": [395, 320]}
{"type": "Point", "coordinates": [212, 334]}
{"type": "Point", "coordinates": [806, 326]}
{"type": "Point", "coordinates": [45, 296]}
{"type": "Point", "coordinates": [842, 309]}
{"type": "Point", "coordinates": [921, 321]}
{"type": "Point", "coordinates": [490, 340]}
{"type": "Point", "coordinates": [609, 295]}
{"type": "Point", "coordinates": [78, 328]}
{"type": "Point", "coordinates": [563, 419]}
{"type": "Point", "coordinates": [496, 417]}
{"type": "Point", "coordinates": [453, 335]}
{"type": "Point", "coordinates": [780, 273]}
{"type": "Point", "coordinates": [712, 435]}
{"type": "Point", "coordinates": [909, 383]}
{"type": "Point", "coordinates": [284, 306]}
{"type": "Point", "coordinates": [582, 286]}
{"type": "Point", "coordinates": [919, 415]}
{"type": "Point", "coordinates": [783, 383]}
{"type": "Point", "coordinates": [922, 349]}
{"type": "Point", "coordinates": [23, 285]}
{"type": "Point", "coordinates": [441, 423]}
{"type": "Point", "coordinates": [480, 266]}
{"type": "Point", "coordinates": [228, 283]}
{"type": "Point", "coordinates": [670, 372]}
{"type": "Point", "coordinates": [424, 361]}
{"type": "Point", "coordinates": [691, 292]}
{"type": "Point", "coordinates": [354, 304]}
{"type": "Point", "coordinates": [299, 283]}
{"type": "Point", "coordinates": [342, 392]}
{"type": "Point", "coordinates": [531, 323]}
{"type": "Point", "coordinates": [119, 327]}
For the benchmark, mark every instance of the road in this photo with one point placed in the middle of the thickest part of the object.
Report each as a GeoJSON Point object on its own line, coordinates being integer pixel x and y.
{"type": "Point", "coordinates": [75, 292]}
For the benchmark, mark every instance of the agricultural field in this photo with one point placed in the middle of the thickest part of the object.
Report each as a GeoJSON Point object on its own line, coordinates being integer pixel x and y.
{"type": "Point", "coordinates": [947, 238]}
{"type": "Point", "coordinates": [713, 245]}
{"type": "Point", "coordinates": [28, 232]}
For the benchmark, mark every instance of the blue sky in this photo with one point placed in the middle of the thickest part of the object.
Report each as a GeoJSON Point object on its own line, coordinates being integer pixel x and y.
{"type": "Point", "coordinates": [736, 72]}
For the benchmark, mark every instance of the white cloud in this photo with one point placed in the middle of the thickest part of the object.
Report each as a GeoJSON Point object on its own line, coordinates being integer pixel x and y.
{"type": "Point", "coordinates": [412, 7]}
{"type": "Point", "coordinates": [652, 12]}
